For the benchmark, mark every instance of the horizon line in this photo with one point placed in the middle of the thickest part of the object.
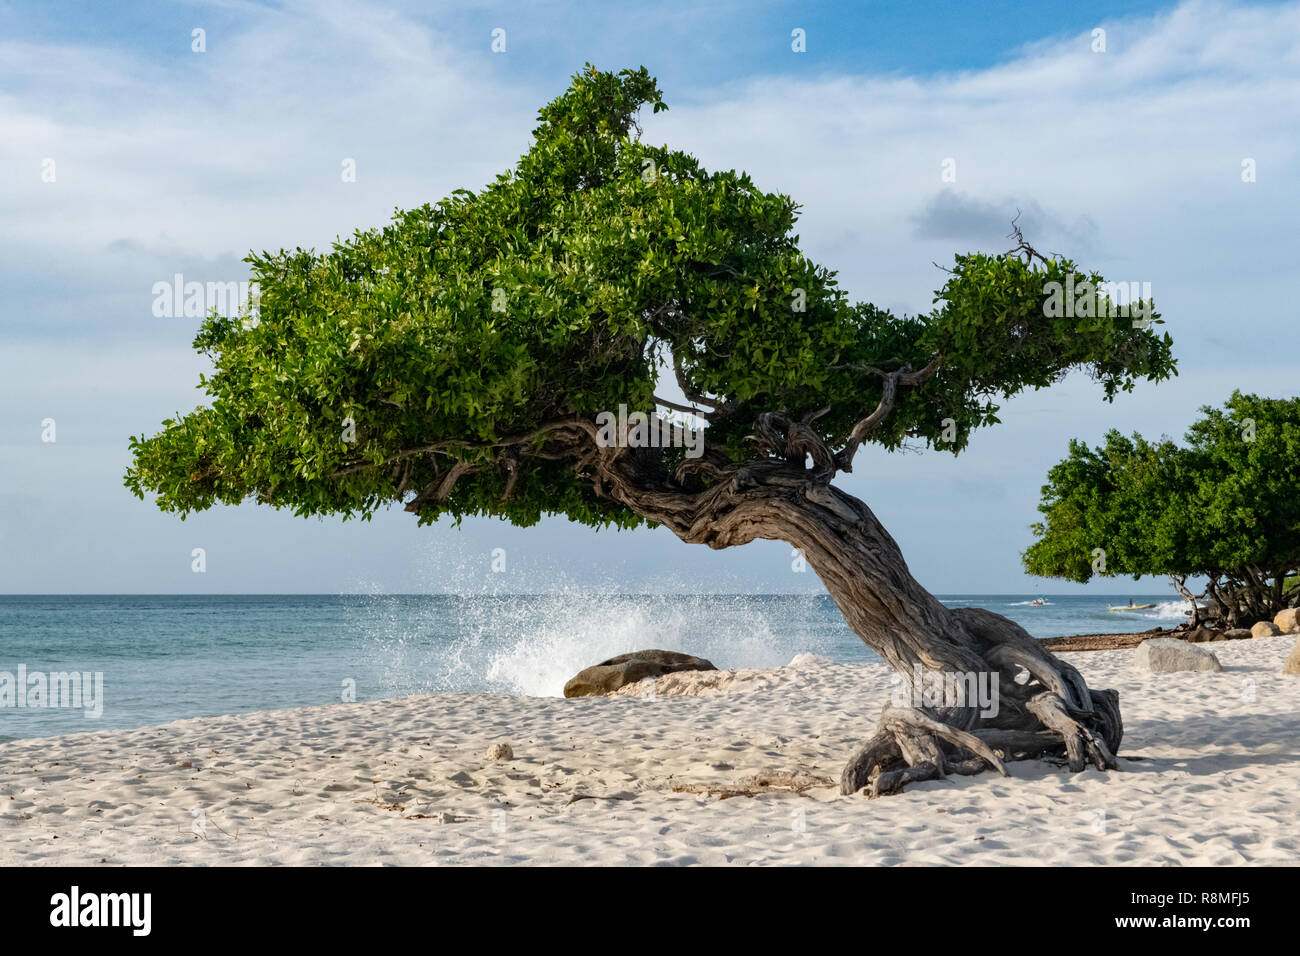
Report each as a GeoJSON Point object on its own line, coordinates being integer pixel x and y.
{"type": "Point", "coordinates": [940, 594]}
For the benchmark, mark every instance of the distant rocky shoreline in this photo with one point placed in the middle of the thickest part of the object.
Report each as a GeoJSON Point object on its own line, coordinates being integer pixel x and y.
{"type": "Point", "coordinates": [1102, 642]}
{"type": "Point", "coordinates": [1286, 622]}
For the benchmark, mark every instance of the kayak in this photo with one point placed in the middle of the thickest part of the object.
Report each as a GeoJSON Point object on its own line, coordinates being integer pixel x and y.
{"type": "Point", "coordinates": [1130, 607]}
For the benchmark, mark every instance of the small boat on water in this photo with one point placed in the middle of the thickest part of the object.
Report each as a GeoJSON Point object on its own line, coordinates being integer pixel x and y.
{"type": "Point", "coordinates": [1038, 602]}
{"type": "Point", "coordinates": [1130, 607]}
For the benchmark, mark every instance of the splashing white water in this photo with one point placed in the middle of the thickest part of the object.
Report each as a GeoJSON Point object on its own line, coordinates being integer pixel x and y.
{"type": "Point", "coordinates": [482, 638]}
{"type": "Point", "coordinates": [540, 642]}
{"type": "Point", "coordinates": [1169, 611]}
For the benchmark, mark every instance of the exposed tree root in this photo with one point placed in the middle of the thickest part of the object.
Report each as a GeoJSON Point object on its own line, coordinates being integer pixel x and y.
{"type": "Point", "coordinates": [1053, 714]}
{"type": "Point", "coordinates": [909, 746]}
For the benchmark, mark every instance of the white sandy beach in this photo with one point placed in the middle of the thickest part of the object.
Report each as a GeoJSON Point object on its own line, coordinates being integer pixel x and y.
{"type": "Point", "coordinates": [406, 781]}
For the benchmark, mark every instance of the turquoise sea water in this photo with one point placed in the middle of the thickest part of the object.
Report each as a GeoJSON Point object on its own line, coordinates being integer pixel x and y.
{"type": "Point", "coordinates": [174, 656]}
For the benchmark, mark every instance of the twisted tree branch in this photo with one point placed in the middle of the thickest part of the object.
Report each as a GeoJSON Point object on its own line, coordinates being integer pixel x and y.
{"type": "Point", "coordinates": [891, 382]}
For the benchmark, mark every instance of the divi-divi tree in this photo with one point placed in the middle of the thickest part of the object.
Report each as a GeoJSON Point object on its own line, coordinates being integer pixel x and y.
{"type": "Point", "coordinates": [456, 362]}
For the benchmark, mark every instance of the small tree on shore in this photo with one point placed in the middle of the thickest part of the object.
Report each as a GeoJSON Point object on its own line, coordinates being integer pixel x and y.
{"type": "Point", "coordinates": [1223, 507]}
{"type": "Point", "coordinates": [456, 362]}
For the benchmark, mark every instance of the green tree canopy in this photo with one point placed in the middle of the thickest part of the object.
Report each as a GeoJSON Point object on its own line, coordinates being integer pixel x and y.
{"type": "Point", "coordinates": [1223, 506]}
{"type": "Point", "coordinates": [446, 359]}
{"type": "Point", "coordinates": [459, 360]}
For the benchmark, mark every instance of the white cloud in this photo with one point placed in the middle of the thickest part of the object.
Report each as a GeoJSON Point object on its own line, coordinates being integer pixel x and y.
{"type": "Point", "coordinates": [1145, 140]}
{"type": "Point", "coordinates": [184, 163]}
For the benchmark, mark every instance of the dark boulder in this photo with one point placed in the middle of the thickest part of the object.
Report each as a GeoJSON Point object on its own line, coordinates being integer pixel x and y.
{"type": "Point", "coordinates": [608, 676]}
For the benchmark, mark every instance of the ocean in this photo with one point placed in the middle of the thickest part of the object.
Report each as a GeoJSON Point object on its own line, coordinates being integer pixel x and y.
{"type": "Point", "coordinates": [169, 657]}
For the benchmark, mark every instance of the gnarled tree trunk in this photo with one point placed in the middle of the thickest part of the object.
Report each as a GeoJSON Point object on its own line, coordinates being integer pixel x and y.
{"type": "Point", "coordinates": [1049, 710]}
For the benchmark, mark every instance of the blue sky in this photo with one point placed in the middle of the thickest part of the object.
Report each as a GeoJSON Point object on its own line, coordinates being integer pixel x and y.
{"type": "Point", "coordinates": [698, 43]}
{"type": "Point", "coordinates": [169, 161]}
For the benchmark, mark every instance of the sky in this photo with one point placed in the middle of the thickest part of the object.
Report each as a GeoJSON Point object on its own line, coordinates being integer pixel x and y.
{"type": "Point", "coordinates": [128, 156]}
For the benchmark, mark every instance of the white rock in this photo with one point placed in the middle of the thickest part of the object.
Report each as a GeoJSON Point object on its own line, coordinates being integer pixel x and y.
{"type": "Point", "coordinates": [1163, 655]}
{"type": "Point", "coordinates": [808, 660]}
{"type": "Point", "coordinates": [500, 752]}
